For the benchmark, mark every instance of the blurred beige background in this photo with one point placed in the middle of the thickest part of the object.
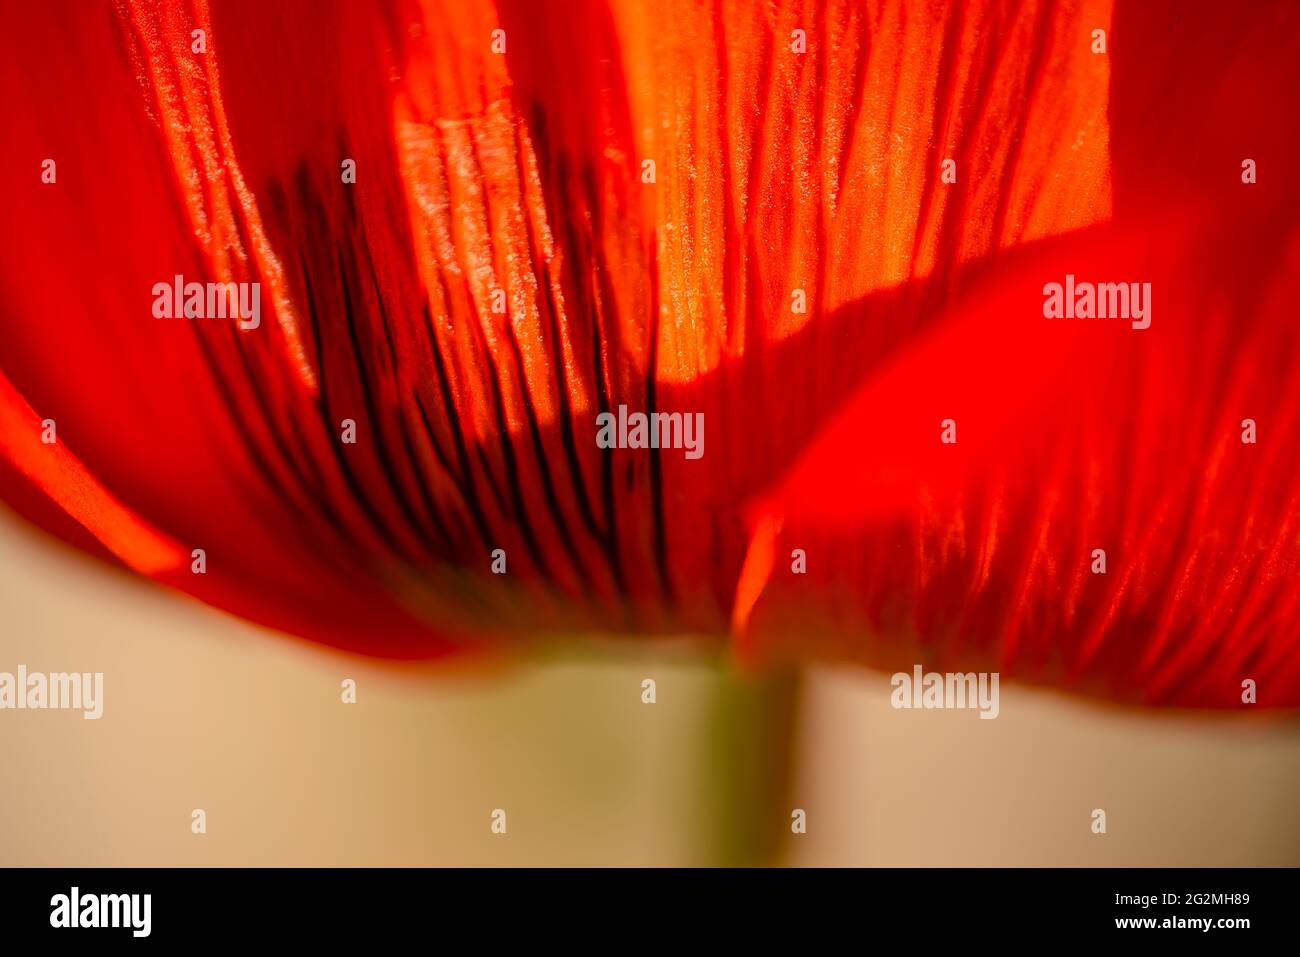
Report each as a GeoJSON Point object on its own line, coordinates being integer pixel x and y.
{"type": "Point", "coordinates": [204, 711]}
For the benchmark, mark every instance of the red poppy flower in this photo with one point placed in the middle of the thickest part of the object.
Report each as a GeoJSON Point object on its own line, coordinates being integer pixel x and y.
{"type": "Point", "coordinates": [825, 227]}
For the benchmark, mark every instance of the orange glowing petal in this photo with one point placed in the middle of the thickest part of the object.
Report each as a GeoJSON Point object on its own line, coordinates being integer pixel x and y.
{"type": "Point", "coordinates": [822, 170]}
{"type": "Point", "coordinates": [183, 95]}
{"type": "Point", "coordinates": [1083, 435]}
{"type": "Point", "coordinates": [60, 475]}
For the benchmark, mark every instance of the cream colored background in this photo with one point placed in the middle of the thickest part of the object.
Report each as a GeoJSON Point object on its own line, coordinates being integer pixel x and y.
{"type": "Point", "coordinates": [203, 710]}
